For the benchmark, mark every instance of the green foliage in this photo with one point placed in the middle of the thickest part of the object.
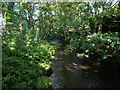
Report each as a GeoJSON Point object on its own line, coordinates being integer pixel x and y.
{"type": "Point", "coordinates": [26, 52]}
{"type": "Point", "coordinates": [81, 54]}
{"type": "Point", "coordinates": [43, 82]}
{"type": "Point", "coordinates": [104, 45]}
{"type": "Point", "coordinates": [23, 66]}
{"type": "Point", "coordinates": [18, 71]}
{"type": "Point", "coordinates": [74, 43]}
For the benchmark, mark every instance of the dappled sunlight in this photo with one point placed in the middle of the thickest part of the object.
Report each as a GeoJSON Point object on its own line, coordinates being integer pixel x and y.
{"type": "Point", "coordinates": [97, 63]}
{"type": "Point", "coordinates": [84, 67]}
{"type": "Point", "coordinates": [44, 65]}
{"type": "Point", "coordinates": [69, 67]}
{"type": "Point", "coordinates": [95, 71]}
{"type": "Point", "coordinates": [59, 69]}
{"type": "Point", "coordinates": [66, 54]}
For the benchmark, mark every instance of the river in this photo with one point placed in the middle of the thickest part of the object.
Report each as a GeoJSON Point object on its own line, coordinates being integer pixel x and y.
{"type": "Point", "coordinates": [85, 74]}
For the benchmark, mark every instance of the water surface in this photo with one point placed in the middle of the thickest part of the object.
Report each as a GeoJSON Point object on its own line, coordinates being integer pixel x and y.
{"type": "Point", "coordinates": [86, 74]}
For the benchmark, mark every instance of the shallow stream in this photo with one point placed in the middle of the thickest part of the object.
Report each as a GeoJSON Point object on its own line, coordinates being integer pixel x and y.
{"type": "Point", "coordinates": [85, 74]}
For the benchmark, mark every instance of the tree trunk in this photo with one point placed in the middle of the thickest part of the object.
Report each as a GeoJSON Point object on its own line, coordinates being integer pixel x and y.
{"type": "Point", "coordinates": [101, 23]}
{"type": "Point", "coordinates": [95, 25]}
{"type": "Point", "coordinates": [10, 11]}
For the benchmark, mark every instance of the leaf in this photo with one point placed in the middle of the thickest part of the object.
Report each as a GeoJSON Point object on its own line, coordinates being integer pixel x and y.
{"type": "Point", "coordinates": [82, 54]}
{"type": "Point", "coordinates": [8, 17]}
{"type": "Point", "coordinates": [9, 23]}
{"type": "Point", "coordinates": [104, 57]}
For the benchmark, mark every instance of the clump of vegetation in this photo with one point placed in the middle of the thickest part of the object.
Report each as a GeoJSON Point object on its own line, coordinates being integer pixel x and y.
{"type": "Point", "coordinates": [43, 82]}
{"type": "Point", "coordinates": [102, 45]}
{"type": "Point", "coordinates": [23, 66]}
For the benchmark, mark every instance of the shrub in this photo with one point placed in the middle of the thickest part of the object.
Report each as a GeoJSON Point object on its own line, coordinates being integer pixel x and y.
{"type": "Point", "coordinates": [24, 65]}
{"type": "Point", "coordinates": [103, 45]}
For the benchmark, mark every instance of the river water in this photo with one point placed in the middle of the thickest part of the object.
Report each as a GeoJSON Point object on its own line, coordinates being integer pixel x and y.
{"type": "Point", "coordinates": [85, 74]}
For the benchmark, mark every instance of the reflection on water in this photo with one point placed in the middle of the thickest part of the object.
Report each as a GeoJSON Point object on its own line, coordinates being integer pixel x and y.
{"type": "Point", "coordinates": [85, 74]}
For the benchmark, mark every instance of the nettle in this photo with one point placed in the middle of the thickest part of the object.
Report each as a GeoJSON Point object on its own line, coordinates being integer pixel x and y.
{"type": "Point", "coordinates": [103, 45]}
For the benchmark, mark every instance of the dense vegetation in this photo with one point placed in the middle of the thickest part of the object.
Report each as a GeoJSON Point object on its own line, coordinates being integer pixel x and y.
{"type": "Point", "coordinates": [89, 29]}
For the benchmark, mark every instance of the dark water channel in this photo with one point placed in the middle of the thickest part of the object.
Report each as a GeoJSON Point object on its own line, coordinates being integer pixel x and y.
{"type": "Point", "coordinates": [85, 74]}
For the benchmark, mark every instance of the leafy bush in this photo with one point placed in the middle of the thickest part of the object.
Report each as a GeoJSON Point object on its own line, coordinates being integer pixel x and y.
{"type": "Point", "coordinates": [18, 71]}
{"type": "Point", "coordinates": [24, 65]}
{"type": "Point", "coordinates": [102, 44]}
{"type": "Point", "coordinates": [74, 44]}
